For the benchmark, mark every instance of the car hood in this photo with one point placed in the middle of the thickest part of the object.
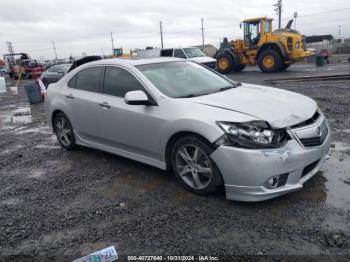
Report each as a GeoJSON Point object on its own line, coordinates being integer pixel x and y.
{"type": "Point", "coordinates": [279, 108]}
{"type": "Point", "coordinates": [202, 59]}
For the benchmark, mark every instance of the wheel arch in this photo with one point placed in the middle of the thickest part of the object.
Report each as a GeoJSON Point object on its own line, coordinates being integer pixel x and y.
{"type": "Point", "coordinates": [225, 51]}
{"type": "Point", "coordinates": [175, 137]}
{"type": "Point", "coordinates": [54, 114]}
{"type": "Point", "coordinates": [277, 46]}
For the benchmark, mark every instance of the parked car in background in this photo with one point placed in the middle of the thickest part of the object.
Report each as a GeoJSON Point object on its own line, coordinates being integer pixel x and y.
{"type": "Point", "coordinates": [259, 142]}
{"type": "Point", "coordinates": [54, 73]}
{"type": "Point", "coordinates": [189, 53]}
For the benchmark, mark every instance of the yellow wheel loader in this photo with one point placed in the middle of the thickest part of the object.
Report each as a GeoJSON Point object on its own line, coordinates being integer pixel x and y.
{"type": "Point", "coordinates": [272, 51]}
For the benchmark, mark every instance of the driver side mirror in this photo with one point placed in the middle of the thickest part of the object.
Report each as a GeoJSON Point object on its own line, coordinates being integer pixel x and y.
{"type": "Point", "coordinates": [137, 97]}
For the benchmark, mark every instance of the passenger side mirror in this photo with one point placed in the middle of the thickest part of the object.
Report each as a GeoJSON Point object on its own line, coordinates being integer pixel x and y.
{"type": "Point", "coordinates": [137, 97]}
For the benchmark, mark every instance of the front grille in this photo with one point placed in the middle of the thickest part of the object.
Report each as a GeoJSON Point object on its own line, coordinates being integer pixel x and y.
{"type": "Point", "coordinates": [310, 121]}
{"type": "Point", "coordinates": [290, 44]}
{"type": "Point", "coordinates": [309, 168]}
{"type": "Point", "coordinates": [315, 141]}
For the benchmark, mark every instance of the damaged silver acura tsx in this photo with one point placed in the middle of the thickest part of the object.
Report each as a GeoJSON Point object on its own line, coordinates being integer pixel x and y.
{"type": "Point", "coordinates": [258, 142]}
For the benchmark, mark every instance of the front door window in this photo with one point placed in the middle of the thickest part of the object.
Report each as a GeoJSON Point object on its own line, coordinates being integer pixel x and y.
{"type": "Point", "coordinates": [251, 34]}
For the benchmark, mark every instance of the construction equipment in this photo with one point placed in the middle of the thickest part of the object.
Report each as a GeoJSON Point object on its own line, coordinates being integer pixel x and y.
{"type": "Point", "coordinates": [272, 51]}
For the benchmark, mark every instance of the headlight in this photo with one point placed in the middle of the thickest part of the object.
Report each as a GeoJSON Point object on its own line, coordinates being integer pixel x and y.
{"type": "Point", "coordinates": [253, 135]}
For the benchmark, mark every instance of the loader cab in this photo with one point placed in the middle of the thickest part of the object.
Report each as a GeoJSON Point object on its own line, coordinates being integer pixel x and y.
{"type": "Point", "coordinates": [255, 29]}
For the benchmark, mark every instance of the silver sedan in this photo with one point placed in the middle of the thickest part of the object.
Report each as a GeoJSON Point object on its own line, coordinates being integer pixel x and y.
{"type": "Point", "coordinates": [258, 142]}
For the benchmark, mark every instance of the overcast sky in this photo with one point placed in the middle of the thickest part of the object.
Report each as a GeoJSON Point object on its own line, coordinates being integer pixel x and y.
{"type": "Point", "coordinates": [79, 26]}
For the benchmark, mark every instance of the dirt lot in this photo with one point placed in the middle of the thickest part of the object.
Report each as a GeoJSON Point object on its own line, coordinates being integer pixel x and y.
{"type": "Point", "coordinates": [65, 205]}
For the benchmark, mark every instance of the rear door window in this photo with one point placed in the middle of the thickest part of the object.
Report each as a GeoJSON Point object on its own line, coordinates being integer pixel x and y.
{"type": "Point", "coordinates": [118, 81]}
{"type": "Point", "coordinates": [89, 79]}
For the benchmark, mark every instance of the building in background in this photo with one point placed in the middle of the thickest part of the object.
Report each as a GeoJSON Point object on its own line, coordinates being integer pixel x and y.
{"type": "Point", "coordinates": [318, 43]}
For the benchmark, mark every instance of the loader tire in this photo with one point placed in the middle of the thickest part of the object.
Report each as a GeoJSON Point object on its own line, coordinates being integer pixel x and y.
{"type": "Point", "coordinates": [225, 63]}
{"type": "Point", "coordinates": [270, 61]}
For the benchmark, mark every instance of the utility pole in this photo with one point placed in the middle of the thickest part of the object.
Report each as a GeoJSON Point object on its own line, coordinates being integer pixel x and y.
{"type": "Point", "coordinates": [112, 39]}
{"type": "Point", "coordinates": [278, 11]}
{"type": "Point", "coordinates": [339, 30]}
{"type": "Point", "coordinates": [202, 34]}
{"type": "Point", "coordinates": [295, 20]}
{"type": "Point", "coordinates": [161, 33]}
{"type": "Point", "coordinates": [10, 48]}
{"type": "Point", "coordinates": [54, 48]}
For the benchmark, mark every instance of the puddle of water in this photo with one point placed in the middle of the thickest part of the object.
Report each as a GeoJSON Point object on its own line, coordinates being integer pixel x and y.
{"type": "Point", "coordinates": [10, 150]}
{"type": "Point", "coordinates": [36, 173]}
{"type": "Point", "coordinates": [18, 116]}
{"type": "Point", "coordinates": [47, 147]}
{"type": "Point", "coordinates": [10, 202]}
{"type": "Point", "coordinates": [336, 171]}
{"type": "Point", "coordinates": [41, 129]}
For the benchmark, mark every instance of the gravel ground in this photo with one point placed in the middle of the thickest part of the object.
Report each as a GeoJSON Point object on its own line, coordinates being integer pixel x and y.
{"type": "Point", "coordinates": [62, 205]}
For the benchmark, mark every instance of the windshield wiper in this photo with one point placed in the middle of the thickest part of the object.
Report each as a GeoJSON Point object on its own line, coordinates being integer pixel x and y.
{"type": "Point", "coordinates": [226, 88]}
{"type": "Point", "coordinates": [208, 93]}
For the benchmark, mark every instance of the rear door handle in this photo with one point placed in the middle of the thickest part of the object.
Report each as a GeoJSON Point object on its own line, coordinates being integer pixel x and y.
{"type": "Point", "coordinates": [104, 104]}
{"type": "Point", "coordinates": [70, 96]}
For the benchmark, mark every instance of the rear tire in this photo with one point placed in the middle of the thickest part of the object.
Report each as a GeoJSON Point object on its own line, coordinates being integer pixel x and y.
{"type": "Point", "coordinates": [270, 61]}
{"type": "Point", "coordinates": [64, 131]}
{"type": "Point", "coordinates": [192, 166]}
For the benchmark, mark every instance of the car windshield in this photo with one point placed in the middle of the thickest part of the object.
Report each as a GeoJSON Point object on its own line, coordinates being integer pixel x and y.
{"type": "Point", "coordinates": [194, 52]}
{"type": "Point", "coordinates": [184, 79]}
{"type": "Point", "coordinates": [66, 67]}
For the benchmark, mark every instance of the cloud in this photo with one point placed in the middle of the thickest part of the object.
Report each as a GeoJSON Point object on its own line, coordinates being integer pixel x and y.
{"type": "Point", "coordinates": [79, 26]}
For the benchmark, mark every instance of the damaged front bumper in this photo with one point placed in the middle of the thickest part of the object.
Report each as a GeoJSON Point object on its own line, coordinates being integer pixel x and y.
{"type": "Point", "coordinates": [246, 171]}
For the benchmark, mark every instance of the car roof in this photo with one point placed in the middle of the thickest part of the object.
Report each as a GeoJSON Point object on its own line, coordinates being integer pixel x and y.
{"type": "Point", "coordinates": [134, 62]}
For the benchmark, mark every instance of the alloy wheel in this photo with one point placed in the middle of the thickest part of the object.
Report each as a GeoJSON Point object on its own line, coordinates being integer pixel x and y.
{"type": "Point", "coordinates": [194, 166]}
{"type": "Point", "coordinates": [64, 131]}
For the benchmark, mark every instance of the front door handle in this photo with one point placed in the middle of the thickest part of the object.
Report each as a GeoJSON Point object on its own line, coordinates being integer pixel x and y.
{"type": "Point", "coordinates": [104, 104]}
{"type": "Point", "coordinates": [70, 96]}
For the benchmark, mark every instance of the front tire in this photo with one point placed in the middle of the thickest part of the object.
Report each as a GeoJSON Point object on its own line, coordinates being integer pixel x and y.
{"type": "Point", "coordinates": [64, 131]}
{"type": "Point", "coordinates": [224, 63]}
{"type": "Point", "coordinates": [270, 61]}
{"type": "Point", "coordinates": [192, 166]}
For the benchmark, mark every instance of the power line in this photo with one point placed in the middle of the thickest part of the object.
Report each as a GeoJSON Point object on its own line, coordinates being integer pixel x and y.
{"type": "Point", "coordinates": [323, 12]}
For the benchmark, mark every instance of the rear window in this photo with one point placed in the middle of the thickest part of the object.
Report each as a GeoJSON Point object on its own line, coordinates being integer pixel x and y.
{"type": "Point", "coordinates": [89, 79]}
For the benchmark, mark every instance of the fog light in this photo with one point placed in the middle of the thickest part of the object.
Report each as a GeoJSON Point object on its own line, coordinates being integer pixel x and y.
{"type": "Point", "coordinates": [272, 182]}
